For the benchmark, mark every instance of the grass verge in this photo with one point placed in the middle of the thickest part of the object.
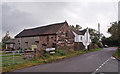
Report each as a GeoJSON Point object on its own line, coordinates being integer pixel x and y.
{"type": "Point", "coordinates": [59, 55]}
{"type": "Point", "coordinates": [117, 54]}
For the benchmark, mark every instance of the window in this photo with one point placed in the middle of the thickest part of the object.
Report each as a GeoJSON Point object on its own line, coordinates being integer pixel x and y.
{"type": "Point", "coordinates": [36, 41]}
{"type": "Point", "coordinates": [47, 38]}
{"type": "Point", "coordinates": [51, 38]}
{"type": "Point", "coordinates": [44, 45]}
{"type": "Point", "coordinates": [66, 34]}
{"type": "Point", "coordinates": [53, 45]}
{"type": "Point", "coordinates": [26, 42]}
{"type": "Point", "coordinates": [81, 38]}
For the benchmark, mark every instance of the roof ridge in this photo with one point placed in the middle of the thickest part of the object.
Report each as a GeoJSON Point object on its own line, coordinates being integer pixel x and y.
{"type": "Point", "coordinates": [45, 26]}
{"type": "Point", "coordinates": [47, 29]}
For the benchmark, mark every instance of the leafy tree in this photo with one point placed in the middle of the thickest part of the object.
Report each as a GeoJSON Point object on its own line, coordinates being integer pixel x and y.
{"type": "Point", "coordinates": [115, 35]}
{"type": "Point", "coordinates": [5, 38]}
{"type": "Point", "coordinates": [77, 27]}
{"type": "Point", "coordinates": [113, 30]}
{"type": "Point", "coordinates": [94, 34]}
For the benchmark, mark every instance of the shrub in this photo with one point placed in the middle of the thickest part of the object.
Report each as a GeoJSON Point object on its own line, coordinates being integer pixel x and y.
{"type": "Point", "coordinates": [3, 45]}
{"type": "Point", "coordinates": [96, 46]}
{"type": "Point", "coordinates": [100, 44]}
{"type": "Point", "coordinates": [47, 55]}
{"type": "Point", "coordinates": [60, 52]}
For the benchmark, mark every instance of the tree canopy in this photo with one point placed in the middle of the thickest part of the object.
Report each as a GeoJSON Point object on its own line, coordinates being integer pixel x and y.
{"type": "Point", "coordinates": [77, 27]}
{"type": "Point", "coordinates": [114, 39]}
{"type": "Point", "coordinates": [6, 37]}
{"type": "Point", "coordinates": [113, 30]}
{"type": "Point", "coordinates": [94, 34]}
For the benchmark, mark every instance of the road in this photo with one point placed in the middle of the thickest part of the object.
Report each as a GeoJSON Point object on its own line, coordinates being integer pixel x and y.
{"type": "Point", "coordinates": [98, 61]}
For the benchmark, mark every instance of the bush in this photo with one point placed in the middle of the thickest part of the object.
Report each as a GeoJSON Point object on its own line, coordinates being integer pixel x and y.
{"type": "Point", "coordinates": [100, 44]}
{"type": "Point", "coordinates": [96, 46]}
{"type": "Point", "coordinates": [47, 55]}
{"type": "Point", "coordinates": [3, 45]}
{"type": "Point", "coordinates": [60, 52]}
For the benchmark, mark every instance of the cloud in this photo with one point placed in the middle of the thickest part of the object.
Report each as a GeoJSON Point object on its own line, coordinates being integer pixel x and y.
{"type": "Point", "coordinates": [0, 21]}
{"type": "Point", "coordinates": [20, 15]}
{"type": "Point", "coordinates": [119, 11]}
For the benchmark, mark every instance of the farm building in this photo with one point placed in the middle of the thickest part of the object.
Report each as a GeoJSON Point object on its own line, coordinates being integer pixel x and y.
{"type": "Point", "coordinates": [58, 35]}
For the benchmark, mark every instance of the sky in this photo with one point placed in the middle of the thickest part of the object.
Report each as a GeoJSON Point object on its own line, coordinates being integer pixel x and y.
{"type": "Point", "coordinates": [119, 11]}
{"type": "Point", "coordinates": [23, 14]}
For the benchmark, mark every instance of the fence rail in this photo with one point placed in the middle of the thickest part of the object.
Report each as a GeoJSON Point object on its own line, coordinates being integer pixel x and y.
{"type": "Point", "coordinates": [12, 57]}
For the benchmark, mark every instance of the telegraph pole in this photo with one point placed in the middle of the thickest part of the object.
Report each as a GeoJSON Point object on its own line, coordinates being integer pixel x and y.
{"type": "Point", "coordinates": [99, 30]}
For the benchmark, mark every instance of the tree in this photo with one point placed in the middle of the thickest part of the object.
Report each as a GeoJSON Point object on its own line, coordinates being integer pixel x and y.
{"type": "Point", "coordinates": [119, 33]}
{"type": "Point", "coordinates": [113, 30]}
{"type": "Point", "coordinates": [77, 27]}
{"type": "Point", "coordinates": [115, 35]}
{"type": "Point", "coordinates": [94, 34]}
{"type": "Point", "coordinates": [5, 38]}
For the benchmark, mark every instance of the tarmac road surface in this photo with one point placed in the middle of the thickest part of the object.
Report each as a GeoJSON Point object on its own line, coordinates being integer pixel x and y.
{"type": "Point", "coordinates": [98, 61]}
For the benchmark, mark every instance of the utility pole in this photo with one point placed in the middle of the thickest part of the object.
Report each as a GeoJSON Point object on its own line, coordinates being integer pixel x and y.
{"type": "Point", "coordinates": [99, 30]}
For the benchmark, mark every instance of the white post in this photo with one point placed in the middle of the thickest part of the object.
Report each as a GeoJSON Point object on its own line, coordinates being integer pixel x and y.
{"type": "Point", "coordinates": [6, 46]}
{"type": "Point", "coordinates": [13, 57]}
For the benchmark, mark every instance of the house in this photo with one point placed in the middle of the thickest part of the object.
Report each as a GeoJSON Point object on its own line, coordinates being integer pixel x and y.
{"type": "Point", "coordinates": [10, 44]}
{"type": "Point", "coordinates": [82, 38]}
{"type": "Point", "coordinates": [58, 35]}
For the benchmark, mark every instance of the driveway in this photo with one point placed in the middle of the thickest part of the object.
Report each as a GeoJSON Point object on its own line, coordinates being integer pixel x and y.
{"type": "Point", "coordinates": [98, 61]}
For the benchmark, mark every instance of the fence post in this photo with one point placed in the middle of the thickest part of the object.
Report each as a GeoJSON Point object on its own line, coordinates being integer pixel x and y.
{"type": "Point", "coordinates": [13, 57]}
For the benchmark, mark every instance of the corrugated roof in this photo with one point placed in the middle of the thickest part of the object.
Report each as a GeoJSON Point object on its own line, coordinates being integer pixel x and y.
{"type": "Point", "coordinates": [49, 29]}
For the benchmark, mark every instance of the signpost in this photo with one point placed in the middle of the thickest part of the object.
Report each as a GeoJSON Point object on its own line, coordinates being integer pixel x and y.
{"type": "Point", "coordinates": [50, 50]}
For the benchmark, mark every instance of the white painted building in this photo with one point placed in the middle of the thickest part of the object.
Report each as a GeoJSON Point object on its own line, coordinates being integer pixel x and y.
{"type": "Point", "coordinates": [82, 36]}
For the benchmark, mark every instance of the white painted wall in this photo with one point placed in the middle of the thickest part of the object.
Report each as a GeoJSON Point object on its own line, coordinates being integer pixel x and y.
{"type": "Point", "coordinates": [85, 38]}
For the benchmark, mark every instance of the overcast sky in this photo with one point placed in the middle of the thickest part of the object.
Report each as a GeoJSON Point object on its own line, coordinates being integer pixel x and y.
{"type": "Point", "coordinates": [119, 11]}
{"type": "Point", "coordinates": [17, 16]}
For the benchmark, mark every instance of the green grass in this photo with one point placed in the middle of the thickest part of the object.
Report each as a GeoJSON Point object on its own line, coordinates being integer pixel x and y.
{"type": "Point", "coordinates": [117, 53]}
{"type": "Point", "coordinates": [96, 49]}
{"type": "Point", "coordinates": [0, 46]}
{"type": "Point", "coordinates": [8, 66]}
{"type": "Point", "coordinates": [7, 59]}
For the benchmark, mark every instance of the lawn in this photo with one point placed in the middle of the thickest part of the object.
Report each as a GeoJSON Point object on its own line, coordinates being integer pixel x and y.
{"type": "Point", "coordinates": [21, 63]}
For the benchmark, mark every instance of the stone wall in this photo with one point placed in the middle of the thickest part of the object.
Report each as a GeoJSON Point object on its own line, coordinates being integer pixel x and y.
{"type": "Point", "coordinates": [92, 46]}
{"type": "Point", "coordinates": [78, 46]}
{"type": "Point", "coordinates": [47, 41]}
{"type": "Point", "coordinates": [65, 38]}
{"type": "Point", "coordinates": [26, 42]}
